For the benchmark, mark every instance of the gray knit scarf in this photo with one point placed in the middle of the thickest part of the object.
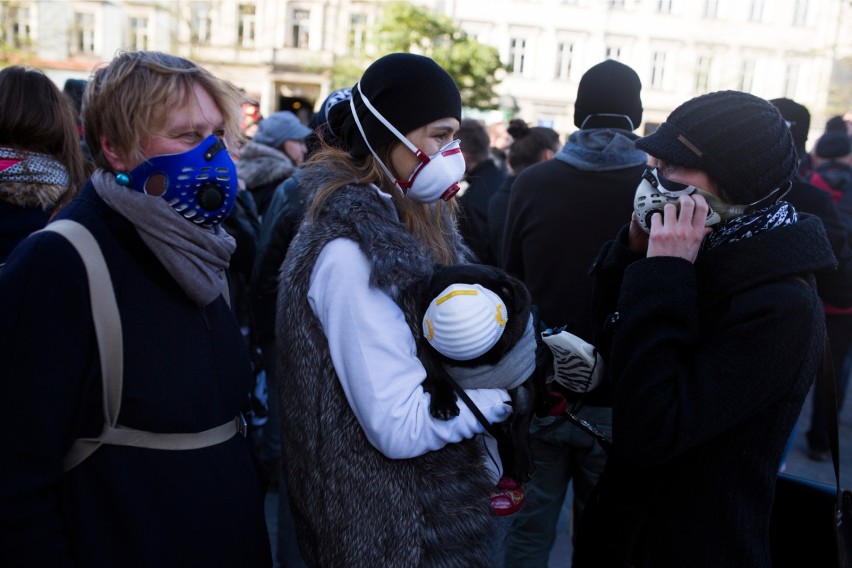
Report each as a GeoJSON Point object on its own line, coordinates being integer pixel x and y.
{"type": "Point", "coordinates": [197, 258]}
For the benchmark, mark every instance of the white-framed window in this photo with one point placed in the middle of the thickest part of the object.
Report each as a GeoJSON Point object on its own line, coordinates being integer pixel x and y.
{"type": "Point", "coordinates": [83, 33]}
{"type": "Point", "coordinates": [755, 11]}
{"type": "Point", "coordinates": [791, 79]}
{"type": "Point", "coordinates": [247, 25]}
{"type": "Point", "coordinates": [17, 29]}
{"type": "Point", "coordinates": [658, 69]}
{"type": "Point", "coordinates": [664, 6]}
{"type": "Point", "coordinates": [138, 29]}
{"type": "Point", "coordinates": [800, 13]}
{"type": "Point", "coordinates": [615, 4]}
{"type": "Point", "coordinates": [711, 8]}
{"type": "Point", "coordinates": [612, 52]}
{"type": "Point", "coordinates": [747, 75]}
{"type": "Point", "coordinates": [518, 55]}
{"type": "Point", "coordinates": [201, 22]}
{"type": "Point", "coordinates": [564, 59]}
{"type": "Point", "coordinates": [358, 33]}
{"type": "Point", "coordinates": [702, 73]}
{"type": "Point", "coordinates": [301, 28]}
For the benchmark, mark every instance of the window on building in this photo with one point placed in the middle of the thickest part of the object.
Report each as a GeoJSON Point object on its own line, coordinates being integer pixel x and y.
{"type": "Point", "coordinates": [747, 76]}
{"type": "Point", "coordinates": [615, 4]}
{"type": "Point", "coordinates": [301, 28]}
{"type": "Point", "coordinates": [791, 80]}
{"type": "Point", "coordinates": [17, 31]}
{"type": "Point", "coordinates": [517, 54]}
{"type": "Point", "coordinates": [702, 73]}
{"type": "Point", "coordinates": [139, 33]}
{"type": "Point", "coordinates": [247, 25]}
{"type": "Point", "coordinates": [664, 6]}
{"type": "Point", "coordinates": [800, 12]}
{"type": "Point", "coordinates": [564, 59]}
{"type": "Point", "coordinates": [83, 34]}
{"type": "Point", "coordinates": [357, 34]}
{"type": "Point", "coordinates": [658, 69]}
{"type": "Point", "coordinates": [201, 22]}
{"type": "Point", "coordinates": [711, 8]}
{"type": "Point", "coordinates": [612, 52]}
{"type": "Point", "coordinates": [755, 12]}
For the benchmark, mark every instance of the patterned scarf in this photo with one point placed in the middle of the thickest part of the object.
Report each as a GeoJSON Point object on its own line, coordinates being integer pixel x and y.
{"type": "Point", "coordinates": [30, 179]}
{"type": "Point", "coordinates": [197, 258]}
{"type": "Point", "coordinates": [750, 224]}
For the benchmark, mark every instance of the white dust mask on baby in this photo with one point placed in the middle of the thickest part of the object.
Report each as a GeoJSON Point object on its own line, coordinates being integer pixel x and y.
{"type": "Point", "coordinates": [435, 177]}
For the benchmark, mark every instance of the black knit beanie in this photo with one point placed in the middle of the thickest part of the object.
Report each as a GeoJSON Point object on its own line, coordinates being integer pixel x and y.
{"type": "Point", "coordinates": [409, 90]}
{"type": "Point", "coordinates": [608, 88]}
{"type": "Point", "coordinates": [800, 121]}
{"type": "Point", "coordinates": [741, 141]}
{"type": "Point", "coordinates": [833, 144]}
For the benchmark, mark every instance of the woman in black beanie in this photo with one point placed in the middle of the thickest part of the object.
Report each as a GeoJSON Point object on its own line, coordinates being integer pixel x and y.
{"type": "Point", "coordinates": [373, 478]}
{"type": "Point", "coordinates": [712, 337]}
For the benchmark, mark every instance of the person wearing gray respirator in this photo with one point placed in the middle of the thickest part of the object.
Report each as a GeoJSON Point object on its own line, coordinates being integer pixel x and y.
{"type": "Point", "coordinates": [712, 332]}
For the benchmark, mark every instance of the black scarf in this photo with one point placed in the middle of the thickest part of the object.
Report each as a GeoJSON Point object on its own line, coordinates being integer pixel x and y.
{"type": "Point", "coordinates": [750, 224]}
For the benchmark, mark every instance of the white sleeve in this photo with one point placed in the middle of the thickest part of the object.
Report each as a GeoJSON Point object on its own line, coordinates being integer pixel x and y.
{"type": "Point", "coordinates": [375, 357]}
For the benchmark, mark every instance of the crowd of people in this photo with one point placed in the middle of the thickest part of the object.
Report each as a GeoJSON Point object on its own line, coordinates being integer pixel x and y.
{"type": "Point", "coordinates": [196, 314]}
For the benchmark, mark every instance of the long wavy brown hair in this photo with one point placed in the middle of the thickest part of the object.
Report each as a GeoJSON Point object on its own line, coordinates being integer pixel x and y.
{"type": "Point", "coordinates": [432, 225]}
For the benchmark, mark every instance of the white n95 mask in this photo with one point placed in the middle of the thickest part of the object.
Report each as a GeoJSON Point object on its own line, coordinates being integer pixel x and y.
{"type": "Point", "coordinates": [436, 177]}
{"type": "Point", "coordinates": [464, 321]}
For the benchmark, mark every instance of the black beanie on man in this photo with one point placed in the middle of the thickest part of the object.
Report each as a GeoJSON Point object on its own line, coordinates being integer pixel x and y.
{"type": "Point", "coordinates": [409, 90]}
{"type": "Point", "coordinates": [741, 141]}
{"type": "Point", "coordinates": [607, 93]}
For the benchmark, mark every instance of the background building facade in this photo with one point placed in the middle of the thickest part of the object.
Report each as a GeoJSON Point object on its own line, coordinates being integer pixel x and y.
{"type": "Point", "coordinates": [282, 52]}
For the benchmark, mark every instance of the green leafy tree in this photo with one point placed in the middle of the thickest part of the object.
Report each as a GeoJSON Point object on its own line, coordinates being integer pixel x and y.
{"type": "Point", "coordinates": [405, 27]}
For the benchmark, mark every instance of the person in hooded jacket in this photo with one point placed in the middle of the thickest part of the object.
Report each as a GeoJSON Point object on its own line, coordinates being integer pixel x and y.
{"type": "Point", "coordinates": [712, 336]}
{"type": "Point", "coordinates": [41, 164]}
{"type": "Point", "coordinates": [560, 213]}
{"type": "Point", "coordinates": [373, 478]}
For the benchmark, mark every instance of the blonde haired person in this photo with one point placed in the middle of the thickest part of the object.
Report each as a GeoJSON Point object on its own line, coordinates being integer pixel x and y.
{"type": "Point", "coordinates": [373, 478]}
{"type": "Point", "coordinates": [164, 478]}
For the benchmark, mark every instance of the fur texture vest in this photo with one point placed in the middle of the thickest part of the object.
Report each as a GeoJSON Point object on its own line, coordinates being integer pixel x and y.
{"type": "Point", "coordinates": [354, 506]}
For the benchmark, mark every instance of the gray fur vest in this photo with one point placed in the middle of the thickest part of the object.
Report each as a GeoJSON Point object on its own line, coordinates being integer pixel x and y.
{"type": "Point", "coordinates": [353, 506]}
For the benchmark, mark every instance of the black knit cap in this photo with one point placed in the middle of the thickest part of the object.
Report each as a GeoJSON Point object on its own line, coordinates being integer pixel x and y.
{"type": "Point", "coordinates": [800, 121]}
{"type": "Point", "coordinates": [833, 144]}
{"type": "Point", "coordinates": [409, 90]}
{"type": "Point", "coordinates": [741, 141]}
{"type": "Point", "coordinates": [608, 88]}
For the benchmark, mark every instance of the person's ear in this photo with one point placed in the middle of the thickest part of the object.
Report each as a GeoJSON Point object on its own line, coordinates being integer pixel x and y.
{"type": "Point", "coordinates": [115, 161]}
{"type": "Point", "coordinates": [547, 154]}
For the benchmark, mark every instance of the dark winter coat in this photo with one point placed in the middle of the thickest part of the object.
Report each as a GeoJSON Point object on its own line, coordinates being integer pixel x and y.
{"type": "Point", "coordinates": [354, 506]}
{"type": "Point", "coordinates": [710, 365]}
{"type": "Point", "coordinates": [559, 217]}
{"type": "Point", "coordinates": [285, 212]}
{"type": "Point", "coordinates": [263, 168]}
{"type": "Point", "coordinates": [185, 370]}
{"type": "Point", "coordinates": [834, 285]}
{"type": "Point", "coordinates": [484, 181]}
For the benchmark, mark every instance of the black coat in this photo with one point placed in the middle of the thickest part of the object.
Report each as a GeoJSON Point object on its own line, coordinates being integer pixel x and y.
{"type": "Point", "coordinates": [710, 365]}
{"type": "Point", "coordinates": [485, 179]}
{"type": "Point", "coordinates": [185, 370]}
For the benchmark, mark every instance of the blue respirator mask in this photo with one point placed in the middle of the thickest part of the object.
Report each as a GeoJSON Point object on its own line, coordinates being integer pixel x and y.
{"type": "Point", "coordinates": [200, 184]}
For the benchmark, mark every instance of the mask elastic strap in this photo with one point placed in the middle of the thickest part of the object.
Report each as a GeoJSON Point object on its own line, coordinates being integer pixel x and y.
{"type": "Point", "coordinates": [624, 116]}
{"type": "Point", "coordinates": [390, 127]}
